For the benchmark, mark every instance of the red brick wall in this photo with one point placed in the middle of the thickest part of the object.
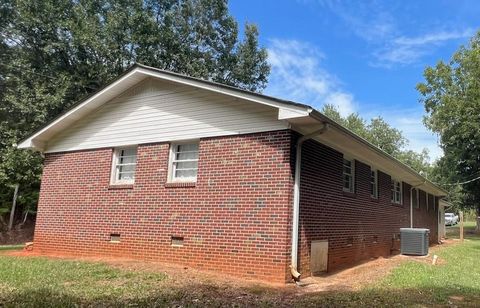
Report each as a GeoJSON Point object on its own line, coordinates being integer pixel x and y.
{"type": "Point", "coordinates": [235, 220]}
{"type": "Point", "coordinates": [356, 226]}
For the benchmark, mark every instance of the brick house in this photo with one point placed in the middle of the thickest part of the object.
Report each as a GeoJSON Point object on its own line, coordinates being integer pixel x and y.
{"type": "Point", "coordinates": [161, 166]}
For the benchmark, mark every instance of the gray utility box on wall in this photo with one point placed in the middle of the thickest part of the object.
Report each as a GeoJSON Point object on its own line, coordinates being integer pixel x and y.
{"type": "Point", "coordinates": [414, 241]}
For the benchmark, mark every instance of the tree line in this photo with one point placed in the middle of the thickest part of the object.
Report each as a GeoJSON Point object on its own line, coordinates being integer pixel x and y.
{"type": "Point", "coordinates": [54, 52]}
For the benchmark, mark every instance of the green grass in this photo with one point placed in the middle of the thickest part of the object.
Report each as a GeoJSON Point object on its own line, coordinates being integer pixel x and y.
{"type": "Point", "coordinates": [458, 277]}
{"type": "Point", "coordinates": [11, 247]}
{"type": "Point", "coordinates": [454, 281]}
{"type": "Point", "coordinates": [42, 282]}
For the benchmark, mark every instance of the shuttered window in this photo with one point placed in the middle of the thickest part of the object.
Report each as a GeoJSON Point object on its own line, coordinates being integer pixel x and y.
{"type": "Point", "coordinates": [348, 176]}
{"type": "Point", "coordinates": [374, 184]}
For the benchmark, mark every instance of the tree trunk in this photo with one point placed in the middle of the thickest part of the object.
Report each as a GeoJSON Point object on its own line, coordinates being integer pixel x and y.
{"type": "Point", "coordinates": [14, 205]}
{"type": "Point", "coordinates": [477, 228]}
{"type": "Point", "coordinates": [25, 218]}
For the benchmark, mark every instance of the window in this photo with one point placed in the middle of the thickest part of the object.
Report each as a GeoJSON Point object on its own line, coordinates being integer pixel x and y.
{"type": "Point", "coordinates": [183, 162]}
{"type": "Point", "coordinates": [396, 192]}
{"type": "Point", "coordinates": [124, 163]}
{"type": "Point", "coordinates": [374, 184]}
{"type": "Point", "coordinates": [428, 200]}
{"type": "Point", "coordinates": [348, 175]}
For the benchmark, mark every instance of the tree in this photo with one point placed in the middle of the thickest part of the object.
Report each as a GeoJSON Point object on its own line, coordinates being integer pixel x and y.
{"type": "Point", "coordinates": [384, 136]}
{"type": "Point", "coordinates": [52, 53]}
{"type": "Point", "coordinates": [419, 162]}
{"type": "Point", "coordinates": [451, 96]}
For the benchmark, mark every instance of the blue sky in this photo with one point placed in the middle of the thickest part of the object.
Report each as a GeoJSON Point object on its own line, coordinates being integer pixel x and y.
{"type": "Point", "coordinates": [363, 56]}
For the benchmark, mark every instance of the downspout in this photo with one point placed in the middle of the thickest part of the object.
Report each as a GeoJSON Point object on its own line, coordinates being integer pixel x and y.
{"type": "Point", "coordinates": [296, 197]}
{"type": "Point", "coordinates": [411, 201]}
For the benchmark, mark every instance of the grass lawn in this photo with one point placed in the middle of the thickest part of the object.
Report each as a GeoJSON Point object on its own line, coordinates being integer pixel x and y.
{"type": "Point", "coordinates": [42, 282]}
{"type": "Point", "coordinates": [11, 247]}
{"type": "Point", "coordinates": [454, 282]}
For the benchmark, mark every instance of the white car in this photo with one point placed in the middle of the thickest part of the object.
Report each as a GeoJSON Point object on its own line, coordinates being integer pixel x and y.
{"type": "Point", "coordinates": [451, 219]}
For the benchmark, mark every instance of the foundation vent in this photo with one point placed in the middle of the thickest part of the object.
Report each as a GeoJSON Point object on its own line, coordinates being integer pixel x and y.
{"type": "Point", "coordinates": [177, 241]}
{"type": "Point", "coordinates": [115, 237]}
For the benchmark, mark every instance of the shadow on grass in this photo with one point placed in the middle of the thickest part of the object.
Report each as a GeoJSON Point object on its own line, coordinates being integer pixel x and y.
{"type": "Point", "coordinates": [213, 296]}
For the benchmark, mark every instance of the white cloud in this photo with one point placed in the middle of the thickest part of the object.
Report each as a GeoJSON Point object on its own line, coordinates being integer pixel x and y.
{"type": "Point", "coordinates": [297, 74]}
{"type": "Point", "coordinates": [343, 101]}
{"type": "Point", "coordinates": [407, 50]}
{"type": "Point", "coordinates": [409, 121]}
{"type": "Point", "coordinates": [374, 22]}
{"type": "Point", "coordinates": [368, 20]}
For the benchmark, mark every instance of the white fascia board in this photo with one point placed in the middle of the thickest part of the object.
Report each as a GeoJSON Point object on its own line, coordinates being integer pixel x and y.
{"type": "Point", "coordinates": [71, 114]}
{"type": "Point", "coordinates": [285, 114]}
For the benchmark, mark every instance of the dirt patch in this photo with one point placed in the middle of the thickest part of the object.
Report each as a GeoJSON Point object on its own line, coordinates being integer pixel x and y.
{"type": "Point", "coordinates": [19, 235]}
{"type": "Point", "coordinates": [182, 277]}
{"type": "Point", "coordinates": [179, 275]}
{"type": "Point", "coordinates": [353, 278]}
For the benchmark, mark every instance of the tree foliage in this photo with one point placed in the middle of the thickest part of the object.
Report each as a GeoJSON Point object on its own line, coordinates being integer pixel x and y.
{"type": "Point", "coordinates": [451, 95]}
{"type": "Point", "coordinates": [52, 53]}
{"type": "Point", "coordinates": [378, 132]}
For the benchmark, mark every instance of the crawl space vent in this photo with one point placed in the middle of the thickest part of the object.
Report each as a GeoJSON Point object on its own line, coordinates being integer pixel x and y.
{"type": "Point", "coordinates": [177, 241]}
{"type": "Point", "coordinates": [115, 237]}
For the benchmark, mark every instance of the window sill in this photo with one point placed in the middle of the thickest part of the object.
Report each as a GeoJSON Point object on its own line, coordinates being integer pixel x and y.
{"type": "Point", "coordinates": [180, 184]}
{"type": "Point", "coordinates": [120, 186]}
{"type": "Point", "coordinates": [396, 204]}
{"type": "Point", "coordinates": [349, 194]}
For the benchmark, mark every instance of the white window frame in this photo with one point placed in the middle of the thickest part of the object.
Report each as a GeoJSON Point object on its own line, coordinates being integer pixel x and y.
{"type": "Point", "coordinates": [172, 163]}
{"type": "Point", "coordinates": [352, 175]}
{"type": "Point", "coordinates": [394, 183]}
{"type": "Point", "coordinates": [114, 172]}
{"type": "Point", "coordinates": [375, 183]}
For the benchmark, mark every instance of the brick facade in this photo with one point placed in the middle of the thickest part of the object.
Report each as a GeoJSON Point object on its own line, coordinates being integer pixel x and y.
{"type": "Point", "coordinates": [357, 226]}
{"type": "Point", "coordinates": [235, 219]}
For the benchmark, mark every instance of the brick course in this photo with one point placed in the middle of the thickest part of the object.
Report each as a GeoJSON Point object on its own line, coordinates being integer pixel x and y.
{"type": "Point", "coordinates": [236, 218]}
{"type": "Point", "coordinates": [357, 226]}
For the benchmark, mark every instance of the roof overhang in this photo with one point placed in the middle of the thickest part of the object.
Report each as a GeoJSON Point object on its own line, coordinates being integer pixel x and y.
{"type": "Point", "coordinates": [445, 203]}
{"type": "Point", "coordinates": [135, 75]}
{"type": "Point", "coordinates": [303, 118]}
{"type": "Point", "coordinates": [349, 143]}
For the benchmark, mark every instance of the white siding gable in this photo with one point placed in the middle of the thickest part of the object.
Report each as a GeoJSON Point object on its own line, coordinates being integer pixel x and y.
{"type": "Point", "coordinates": [157, 111]}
